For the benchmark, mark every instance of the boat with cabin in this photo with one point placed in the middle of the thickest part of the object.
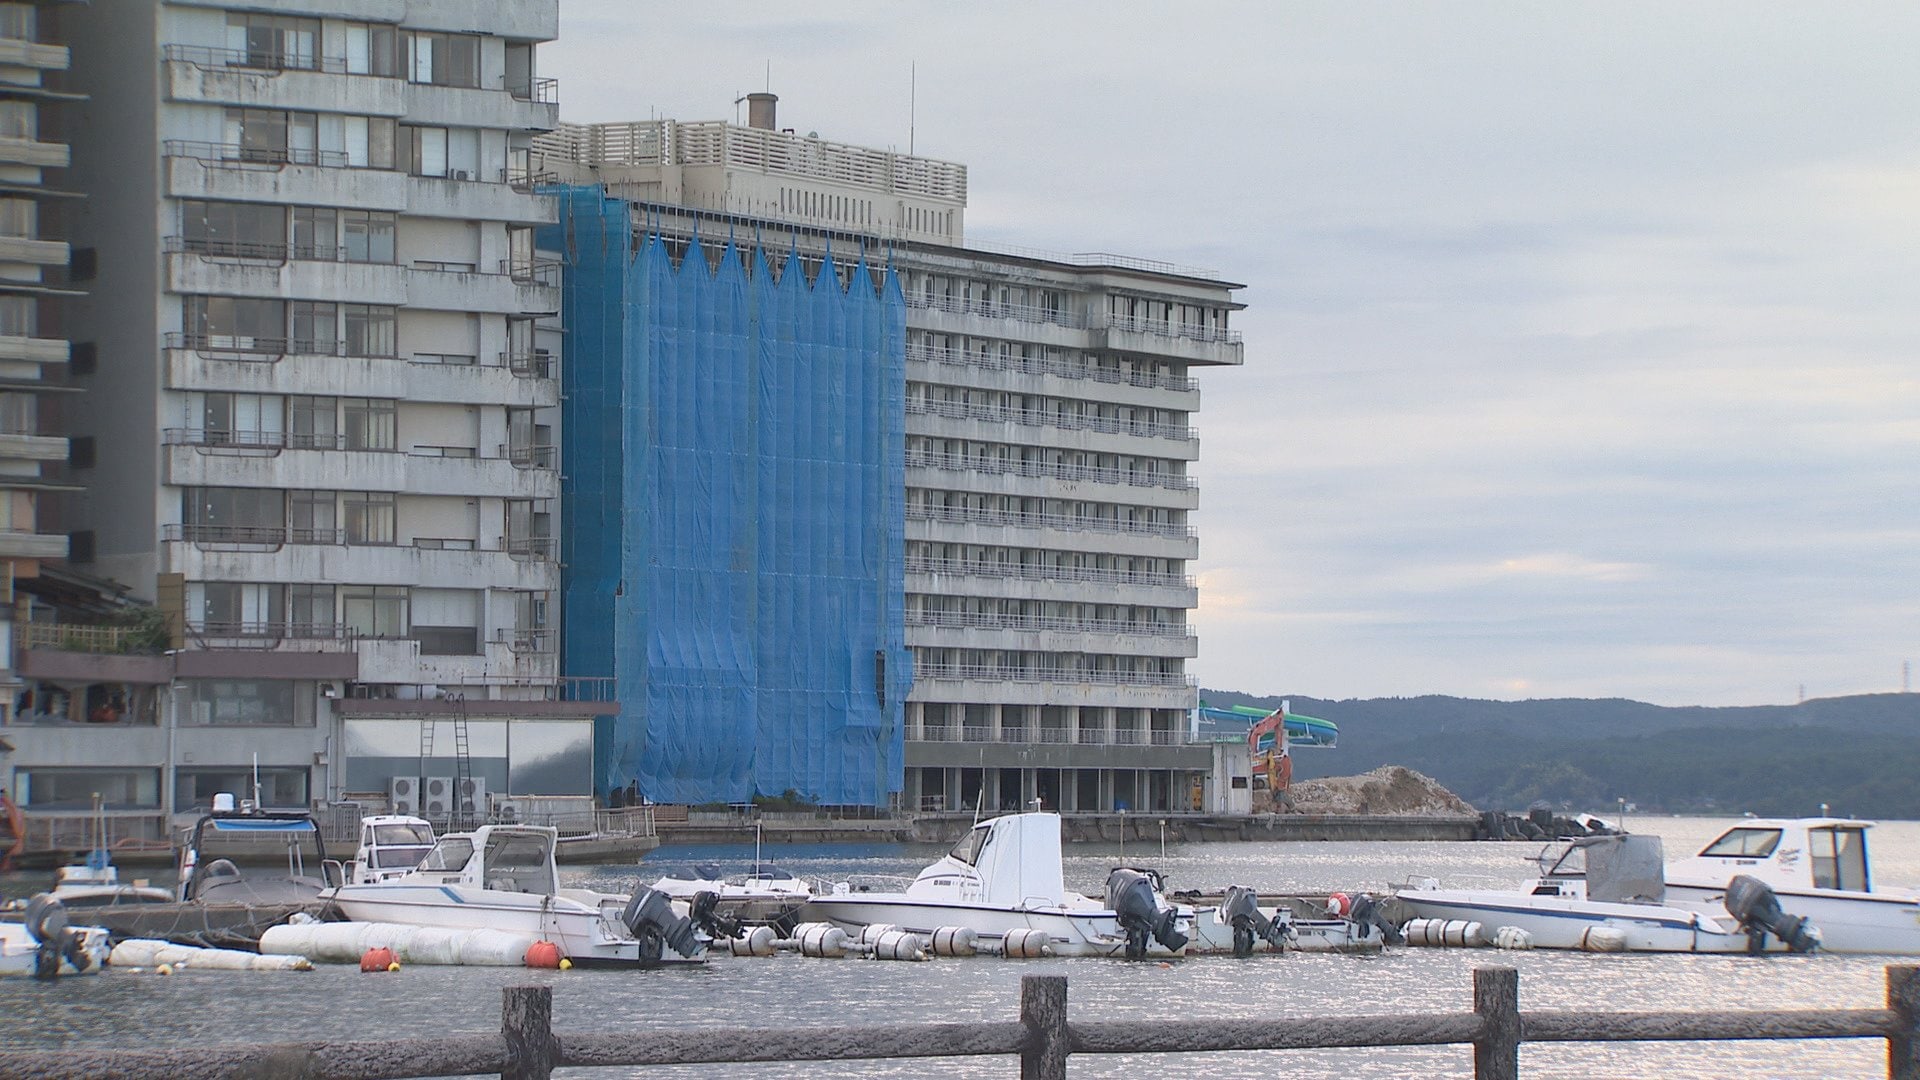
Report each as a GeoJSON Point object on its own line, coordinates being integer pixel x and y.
{"type": "Point", "coordinates": [503, 877]}
{"type": "Point", "coordinates": [1607, 894]}
{"type": "Point", "coordinates": [1820, 868]}
{"type": "Point", "coordinates": [390, 846]}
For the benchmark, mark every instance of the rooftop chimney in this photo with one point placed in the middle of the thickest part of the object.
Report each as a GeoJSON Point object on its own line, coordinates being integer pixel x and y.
{"type": "Point", "coordinates": [760, 110]}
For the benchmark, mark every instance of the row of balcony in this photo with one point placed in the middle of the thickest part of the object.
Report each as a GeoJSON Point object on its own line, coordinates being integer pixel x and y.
{"type": "Point", "coordinates": [262, 79]}
{"type": "Point", "coordinates": [275, 537]}
{"type": "Point", "coordinates": [1051, 470]}
{"type": "Point", "coordinates": [521, 457]}
{"type": "Point", "coordinates": [442, 470]}
{"type": "Point", "coordinates": [1065, 421]}
{"type": "Point", "coordinates": [1050, 736]}
{"type": "Point", "coordinates": [266, 271]}
{"type": "Point", "coordinates": [920, 564]}
{"type": "Point", "coordinates": [967, 515]}
{"type": "Point", "coordinates": [940, 354]}
{"type": "Point", "coordinates": [987, 620]}
{"type": "Point", "coordinates": [302, 177]}
{"type": "Point", "coordinates": [998, 673]}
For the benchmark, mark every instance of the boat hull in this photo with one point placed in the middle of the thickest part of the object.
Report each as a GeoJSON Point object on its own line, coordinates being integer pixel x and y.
{"type": "Point", "coordinates": [1069, 933]}
{"type": "Point", "coordinates": [1556, 923]}
{"type": "Point", "coordinates": [1855, 923]}
{"type": "Point", "coordinates": [18, 949]}
{"type": "Point", "coordinates": [586, 934]}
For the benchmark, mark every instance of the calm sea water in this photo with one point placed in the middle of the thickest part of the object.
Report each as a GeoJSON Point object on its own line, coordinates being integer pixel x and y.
{"type": "Point", "coordinates": [122, 1009]}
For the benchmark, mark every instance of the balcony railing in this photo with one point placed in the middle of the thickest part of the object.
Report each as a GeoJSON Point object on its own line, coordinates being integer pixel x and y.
{"type": "Point", "coordinates": [251, 536]}
{"type": "Point", "coordinates": [959, 305]}
{"type": "Point", "coordinates": [267, 60]}
{"type": "Point", "coordinates": [534, 365]}
{"type": "Point", "coordinates": [532, 271]}
{"type": "Point", "coordinates": [1052, 736]}
{"type": "Point", "coordinates": [1025, 519]}
{"type": "Point", "coordinates": [531, 548]}
{"type": "Point", "coordinates": [531, 642]}
{"type": "Point", "coordinates": [238, 154]}
{"type": "Point", "coordinates": [992, 361]}
{"type": "Point", "coordinates": [1067, 421]}
{"type": "Point", "coordinates": [1053, 470]}
{"type": "Point", "coordinates": [1169, 328]}
{"type": "Point", "coordinates": [563, 688]}
{"type": "Point", "coordinates": [262, 349]}
{"type": "Point", "coordinates": [217, 438]}
{"type": "Point", "coordinates": [215, 633]}
{"type": "Point", "coordinates": [542, 90]}
{"type": "Point", "coordinates": [995, 673]}
{"type": "Point", "coordinates": [73, 637]}
{"type": "Point", "coordinates": [920, 564]}
{"type": "Point", "coordinates": [982, 620]}
{"type": "Point", "coordinates": [531, 457]}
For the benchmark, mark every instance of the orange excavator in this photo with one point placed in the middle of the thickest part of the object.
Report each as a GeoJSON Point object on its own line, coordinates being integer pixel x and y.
{"type": "Point", "coordinates": [13, 832]}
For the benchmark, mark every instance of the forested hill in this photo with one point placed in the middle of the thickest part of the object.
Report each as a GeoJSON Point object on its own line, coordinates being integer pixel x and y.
{"type": "Point", "coordinates": [1860, 755]}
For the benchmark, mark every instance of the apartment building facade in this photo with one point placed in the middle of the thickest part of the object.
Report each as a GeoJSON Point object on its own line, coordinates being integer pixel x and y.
{"type": "Point", "coordinates": [318, 411]}
{"type": "Point", "coordinates": [1048, 447]}
{"type": "Point", "coordinates": [33, 347]}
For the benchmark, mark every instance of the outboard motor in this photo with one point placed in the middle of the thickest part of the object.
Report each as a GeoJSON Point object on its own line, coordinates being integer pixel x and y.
{"type": "Point", "coordinates": [649, 916]}
{"type": "Point", "coordinates": [1754, 906]}
{"type": "Point", "coordinates": [1240, 908]}
{"type": "Point", "coordinates": [47, 925]}
{"type": "Point", "coordinates": [702, 910]}
{"type": "Point", "coordinates": [1131, 895]}
{"type": "Point", "coordinates": [1367, 914]}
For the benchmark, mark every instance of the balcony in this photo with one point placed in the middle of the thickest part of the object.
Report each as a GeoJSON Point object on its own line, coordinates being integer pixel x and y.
{"type": "Point", "coordinates": [442, 470]}
{"type": "Point", "coordinates": [46, 155]}
{"type": "Point", "coordinates": [953, 577]}
{"type": "Point", "coordinates": [208, 76]}
{"type": "Point", "coordinates": [471, 198]}
{"type": "Point", "coordinates": [17, 52]}
{"type": "Point", "coordinates": [983, 318]}
{"type": "Point", "coordinates": [1168, 340]}
{"type": "Point", "coordinates": [264, 270]}
{"type": "Point", "coordinates": [441, 286]}
{"type": "Point", "coordinates": [983, 465]}
{"type": "Point", "coordinates": [23, 249]}
{"type": "Point", "coordinates": [34, 350]}
{"type": "Point", "coordinates": [278, 554]}
{"type": "Point", "coordinates": [1040, 530]}
{"type": "Point", "coordinates": [15, 544]}
{"type": "Point", "coordinates": [1048, 736]}
{"type": "Point", "coordinates": [200, 362]}
{"type": "Point", "coordinates": [458, 106]}
{"type": "Point", "coordinates": [400, 661]}
{"type": "Point", "coordinates": [225, 171]}
{"type": "Point", "coordinates": [1039, 633]}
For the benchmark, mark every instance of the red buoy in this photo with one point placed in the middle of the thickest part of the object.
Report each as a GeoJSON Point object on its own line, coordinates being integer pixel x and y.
{"type": "Point", "coordinates": [543, 954]}
{"type": "Point", "coordinates": [1339, 905]}
{"type": "Point", "coordinates": [380, 959]}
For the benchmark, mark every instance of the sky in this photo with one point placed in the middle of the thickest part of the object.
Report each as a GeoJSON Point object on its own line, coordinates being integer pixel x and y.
{"type": "Point", "coordinates": [1581, 337]}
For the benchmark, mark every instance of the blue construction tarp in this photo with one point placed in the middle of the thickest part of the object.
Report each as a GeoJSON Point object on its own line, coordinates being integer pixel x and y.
{"type": "Point", "coordinates": [732, 511]}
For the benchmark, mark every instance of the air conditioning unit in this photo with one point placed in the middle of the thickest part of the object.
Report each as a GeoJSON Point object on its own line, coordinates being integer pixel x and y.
{"type": "Point", "coordinates": [459, 174]}
{"type": "Point", "coordinates": [471, 798]}
{"type": "Point", "coordinates": [403, 795]}
{"type": "Point", "coordinates": [436, 796]}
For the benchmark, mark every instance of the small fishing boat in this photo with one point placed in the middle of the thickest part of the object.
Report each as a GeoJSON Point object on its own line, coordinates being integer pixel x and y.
{"type": "Point", "coordinates": [42, 945]}
{"type": "Point", "coordinates": [390, 846]}
{"type": "Point", "coordinates": [1606, 894]}
{"type": "Point", "coordinates": [1819, 868]}
{"type": "Point", "coordinates": [503, 877]}
{"type": "Point", "coordinates": [765, 896]}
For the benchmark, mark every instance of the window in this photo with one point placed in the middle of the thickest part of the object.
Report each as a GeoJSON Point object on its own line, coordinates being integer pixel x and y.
{"type": "Point", "coordinates": [283, 787]}
{"type": "Point", "coordinates": [372, 49]}
{"type": "Point", "coordinates": [970, 846]}
{"type": "Point", "coordinates": [237, 608]}
{"type": "Point", "coordinates": [520, 252]}
{"type": "Point", "coordinates": [312, 422]}
{"type": "Point", "coordinates": [237, 229]}
{"type": "Point", "coordinates": [233, 514]}
{"type": "Point", "coordinates": [443, 59]}
{"type": "Point", "coordinates": [274, 41]}
{"type": "Point", "coordinates": [310, 611]}
{"type": "Point", "coordinates": [238, 419]}
{"type": "Point", "coordinates": [316, 328]}
{"type": "Point", "coordinates": [1745, 844]}
{"type": "Point", "coordinates": [247, 703]}
{"type": "Point", "coordinates": [17, 22]}
{"type": "Point", "coordinates": [446, 622]}
{"type": "Point", "coordinates": [367, 516]}
{"type": "Point", "coordinates": [369, 423]}
{"type": "Point", "coordinates": [227, 322]}
{"type": "Point", "coordinates": [311, 520]}
{"type": "Point", "coordinates": [361, 142]}
{"type": "Point", "coordinates": [423, 150]}
{"type": "Point", "coordinates": [74, 789]}
{"type": "Point", "coordinates": [451, 854]}
{"type": "Point", "coordinates": [377, 611]}
{"type": "Point", "coordinates": [1839, 858]}
{"type": "Point", "coordinates": [314, 234]}
{"type": "Point", "coordinates": [18, 217]}
{"type": "Point", "coordinates": [371, 330]}
{"type": "Point", "coordinates": [19, 120]}
{"type": "Point", "coordinates": [529, 527]}
{"type": "Point", "coordinates": [366, 236]}
{"type": "Point", "coordinates": [18, 316]}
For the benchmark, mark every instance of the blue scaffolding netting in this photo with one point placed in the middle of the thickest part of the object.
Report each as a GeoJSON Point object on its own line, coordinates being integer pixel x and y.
{"type": "Point", "coordinates": [733, 511]}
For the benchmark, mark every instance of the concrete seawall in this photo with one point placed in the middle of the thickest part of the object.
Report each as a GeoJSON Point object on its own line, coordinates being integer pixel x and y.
{"type": "Point", "coordinates": [1078, 828]}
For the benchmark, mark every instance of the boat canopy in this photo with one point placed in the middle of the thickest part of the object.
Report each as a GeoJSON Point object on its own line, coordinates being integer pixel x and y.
{"type": "Point", "coordinates": [1017, 858]}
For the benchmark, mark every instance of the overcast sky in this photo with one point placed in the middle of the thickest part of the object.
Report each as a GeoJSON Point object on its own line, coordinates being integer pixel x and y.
{"type": "Point", "coordinates": [1581, 337]}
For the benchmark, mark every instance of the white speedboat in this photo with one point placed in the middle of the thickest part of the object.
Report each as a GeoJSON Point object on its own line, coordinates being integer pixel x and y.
{"type": "Point", "coordinates": [502, 877]}
{"type": "Point", "coordinates": [42, 945]}
{"type": "Point", "coordinates": [390, 846]}
{"type": "Point", "coordinates": [1004, 875]}
{"type": "Point", "coordinates": [96, 883]}
{"type": "Point", "coordinates": [1820, 869]}
{"type": "Point", "coordinates": [766, 895]}
{"type": "Point", "coordinates": [1605, 894]}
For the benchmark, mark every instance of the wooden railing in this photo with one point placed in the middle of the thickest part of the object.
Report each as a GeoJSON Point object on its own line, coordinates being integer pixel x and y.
{"type": "Point", "coordinates": [1043, 1038]}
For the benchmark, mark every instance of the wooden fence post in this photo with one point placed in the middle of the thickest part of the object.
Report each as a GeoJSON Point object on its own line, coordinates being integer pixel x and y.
{"type": "Point", "coordinates": [1043, 1011]}
{"type": "Point", "coordinates": [1496, 999]}
{"type": "Point", "coordinates": [526, 1020]}
{"type": "Point", "coordinates": [1903, 998]}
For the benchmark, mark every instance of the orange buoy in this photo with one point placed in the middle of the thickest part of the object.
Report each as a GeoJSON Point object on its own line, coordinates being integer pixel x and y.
{"type": "Point", "coordinates": [1339, 905]}
{"type": "Point", "coordinates": [380, 959]}
{"type": "Point", "coordinates": [543, 954]}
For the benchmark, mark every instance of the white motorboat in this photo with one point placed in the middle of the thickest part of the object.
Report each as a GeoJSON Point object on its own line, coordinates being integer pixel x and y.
{"type": "Point", "coordinates": [1005, 875]}
{"type": "Point", "coordinates": [766, 895]}
{"type": "Point", "coordinates": [1605, 894]}
{"type": "Point", "coordinates": [502, 877]}
{"type": "Point", "coordinates": [390, 846]}
{"type": "Point", "coordinates": [1819, 868]}
{"type": "Point", "coordinates": [96, 883]}
{"type": "Point", "coordinates": [44, 946]}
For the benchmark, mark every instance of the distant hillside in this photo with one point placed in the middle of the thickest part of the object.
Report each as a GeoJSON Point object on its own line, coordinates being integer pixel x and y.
{"type": "Point", "coordinates": [1858, 754]}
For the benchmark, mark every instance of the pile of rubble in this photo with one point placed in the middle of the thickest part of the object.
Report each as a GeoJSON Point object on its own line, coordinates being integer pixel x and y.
{"type": "Point", "coordinates": [1390, 789]}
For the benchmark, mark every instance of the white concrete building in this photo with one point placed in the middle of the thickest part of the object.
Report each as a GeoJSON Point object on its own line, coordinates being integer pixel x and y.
{"type": "Point", "coordinates": [316, 417]}
{"type": "Point", "coordinates": [1048, 446]}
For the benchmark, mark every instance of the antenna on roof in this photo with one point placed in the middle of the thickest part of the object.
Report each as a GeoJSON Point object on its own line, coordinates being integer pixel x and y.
{"type": "Point", "coordinates": [913, 102]}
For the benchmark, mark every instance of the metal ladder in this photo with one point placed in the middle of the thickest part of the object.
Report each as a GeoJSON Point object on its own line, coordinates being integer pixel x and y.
{"type": "Point", "coordinates": [459, 817]}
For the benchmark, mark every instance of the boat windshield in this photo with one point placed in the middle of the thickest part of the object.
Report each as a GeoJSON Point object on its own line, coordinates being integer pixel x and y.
{"type": "Point", "coordinates": [1744, 844]}
{"type": "Point", "coordinates": [520, 862]}
{"type": "Point", "coordinates": [770, 872]}
{"type": "Point", "coordinates": [420, 833]}
{"type": "Point", "coordinates": [452, 853]}
{"type": "Point", "coordinates": [1572, 861]}
{"type": "Point", "coordinates": [398, 858]}
{"type": "Point", "coordinates": [1839, 859]}
{"type": "Point", "coordinates": [971, 845]}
